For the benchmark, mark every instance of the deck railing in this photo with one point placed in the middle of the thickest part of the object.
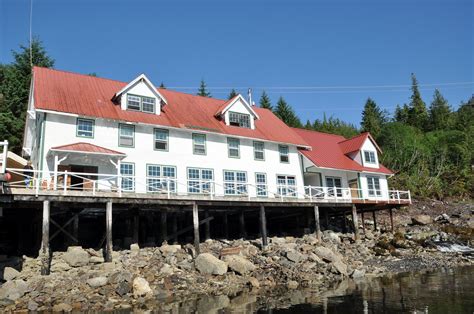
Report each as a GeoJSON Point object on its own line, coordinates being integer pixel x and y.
{"type": "Point", "coordinates": [94, 183]}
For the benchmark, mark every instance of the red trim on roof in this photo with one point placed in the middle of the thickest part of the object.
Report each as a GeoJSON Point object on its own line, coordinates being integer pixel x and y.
{"type": "Point", "coordinates": [87, 148]}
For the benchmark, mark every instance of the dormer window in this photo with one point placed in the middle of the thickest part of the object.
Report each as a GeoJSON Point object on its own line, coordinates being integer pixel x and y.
{"type": "Point", "coordinates": [141, 103]}
{"type": "Point", "coordinates": [369, 157]}
{"type": "Point", "coordinates": [239, 119]}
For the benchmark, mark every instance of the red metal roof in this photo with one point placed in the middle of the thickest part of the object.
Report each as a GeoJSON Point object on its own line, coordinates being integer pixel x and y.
{"type": "Point", "coordinates": [327, 152]}
{"type": "Point", "coordinates": [355, 143]}
{"type": "Point", "coordinates": [87, 148]}
{"type": "Point", "coordinates": [92, 96]}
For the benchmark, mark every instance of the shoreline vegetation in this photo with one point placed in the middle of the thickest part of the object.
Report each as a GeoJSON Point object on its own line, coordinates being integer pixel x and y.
{"type": "Point", "coordinates": [160, 278]}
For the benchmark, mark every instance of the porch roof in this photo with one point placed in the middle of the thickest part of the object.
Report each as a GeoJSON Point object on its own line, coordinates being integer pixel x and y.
{"type": "Point", "coordinates": [87, 148]}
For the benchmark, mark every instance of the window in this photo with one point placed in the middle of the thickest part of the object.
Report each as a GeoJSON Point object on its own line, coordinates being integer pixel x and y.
{"type": "Point", "coordinates": [127, 170]}
{"type": "Point", "coordinates": [126, 135]}
{"type": "Point", "coordinates": [239, 119]}
{"type": "Point", "coordinates": [161, 139]}
{"type": "Point", "coordinates": [141, 103]}
{"type": "Point", "coordinates": [85, 128]}
{"type": "Point", "coordinates": [200, 180]}
{"type": "Point", "coordinates": [199, 144]}
{"type": "Point", "coordinates": [161, 178]}
{"type": "Point", "coordinates": [284, 153]}
{"type": "Point", "coordinates": [261, 184]}
{"type": "Point", "coordinates": [369, 157]}
{"type": "Point", "coordinates": [373, 184]}
{"type": "Point", "coordinates": [286, 185]}
{"type": "Point", "coordinates": [334, 185]}
{"type": "Point", "coordinates": [259, 150]}
{"type": "Point", "coordinates": [235, 182]}
{"type": "Point", "coordinates": [233, 145]}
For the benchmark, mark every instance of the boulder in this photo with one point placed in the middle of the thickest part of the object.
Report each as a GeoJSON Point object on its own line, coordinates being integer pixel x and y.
{"type": "Point", "coordinates": [340, 267]}
{"type": "Point", "coordinates": [166, 270]}
{"type": "Point", "coordinates": [254, 282]}
{"type": "Point", "coordinates": [170, 249]}
{"type": "Point", "coordinates": [239, 264]}
{"type": "Point", "coordinates": [470, 223]}
{"type": "Point", "coordinates": [141, 288]}
{"type": "Point", "coordinates": [96, 259]}
{"type": "Point", "coordinates": [358, 273]}
{"type": "Point", "coordinates": [10, 273]}
{"type": "Point", "coordinates": [209, 264]}
{"type": "Point", "coordinates": [76, 256]}
{"type": "Point", "coordinates": [332, 236]}
{"type": "Point", "coordinates": [422, 220]}
{"type": "Point", "coordinates": [326, 254]}
{"type": "Point", "coordinates": [123, 288]}
{"type": "Point", "coordinates": [295, 256]}
{"type": "Point", "coordinates": [13, 289]}
{"type": "Point", "coordinates": [62, 307]}
{"type": "Point", "coordinates": [292, 284]}
{"type": "Point", "coordinates": [97, 281]}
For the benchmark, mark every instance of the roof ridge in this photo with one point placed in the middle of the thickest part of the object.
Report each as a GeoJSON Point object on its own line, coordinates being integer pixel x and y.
{"type": "Point", "coordinates": [314, 131]}
{"type": "Point", "coordinates": [354, 137]}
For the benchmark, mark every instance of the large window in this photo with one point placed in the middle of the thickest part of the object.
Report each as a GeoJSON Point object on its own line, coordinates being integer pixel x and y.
{"type": "Point", "coordinates": [161, 178]}
{"type": "Point", "coordinates": [233, 145]}
{"type": "Point", "coordinates": [235, 182]}
{"type": "Point", "coordinates": [200, 180]}
{"type": "Point", "coordinates": [286, 185]}
{"type": "Point", "coordinates": [85, 128]}
{"type": "Point", "coordinates": [373, 184]}
{"type": "Point", "coordinates": [259, 150]}
{"type": "Point", "coordinates": [239, 119]}
{"type": "Point", "coordinates": [334, 185]}
{"type": "Point", "coordinates": [261, 184]}
{"type": "Point", "coordinates": [127, 170]}
{"type": "Point", "coordinates": [199, 144]}
{"type": "Point", "coordinates": [141, 103]}
{"type": "Point", "coordinates": [126, 135]}
{"type": "Point", "coordinates": [161, 139]}
{"type": "Point", "coordinates": [369, 157]}
{"type": "Point", "coordinates": [284, 153]}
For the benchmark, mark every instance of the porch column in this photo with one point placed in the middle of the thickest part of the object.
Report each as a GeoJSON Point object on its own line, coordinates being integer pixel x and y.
{"type": "Point", "coordinates": [45, 252]}
{"type": "Point", "coordinates": [356, 222]}
{"type": "Point", "coordinates": [196, 228]}
{"type": "Point", "coordinates": [108, 232]}
{"type": "Point", "coordinates": [316, 222]}
{"type": "Point", "coordinates": [263, 226]}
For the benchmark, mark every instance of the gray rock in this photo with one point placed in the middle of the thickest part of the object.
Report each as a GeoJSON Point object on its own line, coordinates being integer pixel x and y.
{"type": "Point", "coordinates": [166, 270]}
{"type": "Point", "coordinates": [123, 288]}
{"type": "Point", "coordinates": [326, 254]}
{"type": "Point", "coordinates": [422, 220]}
{"type": "Point", "coordinates": [340, 267]}
{"type": "Point", "coordinates": [96, 259]}
{"type": "Point", "coordinates": [32, 305]}
{"type": "Point", "coordinates": [135, 248]}
{"type": "Point", "coordinates": [141, 288]}
{"type": "Point", "coordinates": [209, 264]}
{"type": "Point", "coordinates": [358, 273]}
{"type": "Point", "coordinates": [239, 264]}
{"type": "Point", "coordinates": [292, 284]}
{"type": "Point", "coordinates": [62, 307]}
{"type": "Point", "coordinates": [170, 249]}
{"type": "Point", "coordinates": [97, 282]}
{"type": "Point", "coordinates": [332, 236]}
{"type": "Point", "coordinates": [254, 282]}
{"type": "Point", "coordinates": [13, 289]}
{"type": "Point", "coordinates": [295, 256]}
{"type": "Point", "coordinates": [10, 273]}
{"type": "Point", "coordinates": [76, 256]}
{"type": "Point", "coordinates": [470, 223]}
{"type": "Point", "coordinates": [60, 266]}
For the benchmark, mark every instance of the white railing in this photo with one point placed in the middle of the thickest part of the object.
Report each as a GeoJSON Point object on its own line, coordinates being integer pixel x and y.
{"type": "Point", "coordinates": [93, 183]}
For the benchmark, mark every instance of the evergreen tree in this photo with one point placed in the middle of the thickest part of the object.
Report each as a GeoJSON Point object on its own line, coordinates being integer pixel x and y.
{"type": "Point", "coordinates": [417, 113]}
{"type": "Point", "coordinates": [440, 112]}
{"type": "Point", "coordinates": [373, 118]}
{"type": "Point", "coordinates": [232, 94]}
{"type": "Point", "coordinates": [202, 91]}
{"type": "Point", "coordinates": [287, 114]}
{"type": "Point", "coordinates": [162, 85]}
{"type": "Point", "coordinates": [265, 101]}
{"type": "Point", "coordinates": [335, 126]}
{"type": "Point", "coordinates": [401, 113]}
{"type": "Point", "coordinates": [308, 125]}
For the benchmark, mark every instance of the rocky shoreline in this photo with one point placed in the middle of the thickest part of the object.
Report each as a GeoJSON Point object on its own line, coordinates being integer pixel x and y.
{"type": "Point", "coordinates": [156, 278]}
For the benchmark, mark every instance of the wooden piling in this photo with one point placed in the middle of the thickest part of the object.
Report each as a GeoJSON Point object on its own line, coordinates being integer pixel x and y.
{"type": "Point", "coordinates": [363, 221]}
{"type": "Point", "coordinates": [226, 226]}
{"type": "Point", "coordinates": [45, 253]}
{"type": "Point", "coordinates": [375, 220]}
{"type": "Point", "coordinates": [316, 222]}
{"type": "Point", "coordinates": [355, 220]}
{"type": "Point", "coordinates": [326, 217]}
{"type": "Point", "coordinates": [75, 229]}
{"type": "Point", "coordinates": [207, 226]}
{"type": "Point", "coordinates": [391, 218]}
{"type": "Point", "coordinates": [136, 226]}
{"type": "Point", "coordinates": [196, 227]}
{"type": "Point", "coordinates": [164, 225]}
{"type": "Point", "coordinates": [108, 231]}
{"type": "Point", "coordinates": [263, 226]}
{"type": "Point", "coordinates": [243, 232]}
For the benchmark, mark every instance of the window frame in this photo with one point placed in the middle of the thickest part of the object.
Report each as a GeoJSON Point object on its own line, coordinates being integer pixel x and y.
{"type": "Point", "coordinates": [143, 101]}
{"type": "Point", "coordinates": [127, 179]}
{"type": "Point", "coordinates": [259, 184]}
{"type": "Point", "coordinates": [283, 155]}
{"type": "Point", "coordinates": [194, 136]}
{"type": "Point", "coordinates": [258, 151]}
{"type": "Point", "coordinates": [336, 190]}
{"type": "Point", "coordinates": [119, 134]}
{"type": "Point", "coordinates": [85, 120]}
{"type": "Point", "coordinates": [240, 119]}
{"type": "Point", "coordinates": [229, 148]}
{"type": "Point", "coordinates": [235, 182]}
{"type": "Point", "coordinates": [161, 178]}
{"type": "Point", "coordinates": [285, 187]}
{"type": "Point", "coordinates": [374, 192]}
{"type": "Point", "coordinates": [201, 182]}
{"type": "Point", "coordinates": [371, 154]}
{"type": "Point", "coordinates": [161, 141]}
{"type": "Point", "coordinates": [140, 103]}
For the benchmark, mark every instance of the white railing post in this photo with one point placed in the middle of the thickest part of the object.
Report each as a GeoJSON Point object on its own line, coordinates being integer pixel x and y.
{"type": "Point", "coordinates": [248, 190]}
{"type": "Point", "coordinates": [93, 187]}
{"type": "Point", "coordinates": [168, 187]}
{"type": "Point", "coordinates": [310, 193]}
{"type": "Point", "coordinates": [65, 183]}
{"type": "Point", "coordinates": [119, 185]}
{"type": "Point", "coordinates": [37, 180]}
{"type": "Point", "coordinates": [409, 196]}
{"type": "Point", "coordinates": [398, 196]}
{"type": "Point", "coordinates": [5, 156]}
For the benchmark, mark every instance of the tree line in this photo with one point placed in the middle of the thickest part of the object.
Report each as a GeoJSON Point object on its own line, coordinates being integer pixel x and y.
{"type": "Point", "coordinates": [431, 148]}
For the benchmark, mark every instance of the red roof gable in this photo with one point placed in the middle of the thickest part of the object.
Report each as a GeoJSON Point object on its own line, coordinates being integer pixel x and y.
{"type": "Point", "coordinates": [87, 148]}
{"type": "Point", "coordinates": [327, 152]}
{"type": "Point", "coordinates": [92, 96]}
{"type": "Point", "coordinates": [355, 143]}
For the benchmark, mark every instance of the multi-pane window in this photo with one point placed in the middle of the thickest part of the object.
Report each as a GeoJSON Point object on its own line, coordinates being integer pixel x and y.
{"type": "Point", "coordinates": [126, 135]}
{"type": "Point", "coordinates": [286, 185]}
{"type": "Point", "coordinates": [239, 119]}
{"type": "Point", "coordinates": [200, 180]}
{"type": "Point", "coordinates": [161, 178]}
{"type": "Point", "coordinates": [369, 157]}
{"type": "Point", "coordinates": [127, 170]}
{"type": "Point", "coordinates": [261, 184]}
{"type": "Point", "coordinates": [85, 128]}
{"type": "Point", "coordinates": [161, 139]}
{"type": "Point", "coordinates": [334, 185]}
{"type": "Point", "coordinates": [284, 153]}
{"type": "Point", "coordinates": [373, 184]}
{"type": "Point", "coordinates": [235, 182]}
{"type": "Point", "coordinates": [199, 144]}
{"type": "Point", "coordinates": [259, 150]}
{"type": "Point", "coordinates": [233, 145]}
{"type": "Point", "coordinates": [141, 103]}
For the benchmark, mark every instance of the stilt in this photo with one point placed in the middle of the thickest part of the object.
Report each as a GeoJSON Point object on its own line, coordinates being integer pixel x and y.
{"type": "Point", "coordinates": [326, 217]}
{"type": "Point", "coordinates": [226, 226]}
{"type": "Point", "coordinates": [108, 231]}
{"type": "Point", "coordinates": [391, 218]}
{"type": "Point", "coordinates": [207, 226]}
{"type": "Point", "coordinates": [316, 222]}
{"type": "Point", "coordinates": [45, 253]}
{"type": "Point", "coordinates": [164, 225]}
{"type": "Point", "coordinates": [355, 219]}
{"type": "Point", "coordinates": [309, 220]}
{"type": "Point", "coordinates": [263, 226]}
{"type": "Point", "coordinates": [344, 215]}
{"type": "Point", "coordinates": [375, 221]}
{"type": "Point", "coordinates": [136, 226]}
{"type": "Point", "coordinates": [243, 232]}
{"type": "Point", "coordinates": [196, 228]}
{"type": "Point", "coordinates": [363, 221]}
{"type": "Point", "coordinates": [75, 229]}
{"type": "Point", "coordinates": [175, 228]}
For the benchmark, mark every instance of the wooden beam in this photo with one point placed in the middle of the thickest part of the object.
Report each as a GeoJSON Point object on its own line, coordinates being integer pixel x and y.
{"type": "Point", "coordinates": [108, 231]}
{"type": "Point", "coordinates": [243, 232]}
{"type": "Point", "coordinates": [196, 228]}
{"type": "Point", "coordinates": [316, 222]}
{"type": "Point", "coordinates": [263, 226]}
{"type": "Point", "coordinates": [45, 252]}
{"type": "Point", "coordinates": [375, 220]}
{"type": "Point", "coordinates": [355, 220]}
{"type": "Point", "coordinates": [207, 226]}
{"type": "Point", "coordinates": [391, 218]}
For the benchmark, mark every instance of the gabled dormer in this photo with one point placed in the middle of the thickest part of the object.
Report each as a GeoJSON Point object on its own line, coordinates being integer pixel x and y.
{"type": "Point", "coordinates": [140, 95]}
{"type": "Point", "coordinates": [238, 112]}
{"type": "Point", "coordinates": [363, 149]}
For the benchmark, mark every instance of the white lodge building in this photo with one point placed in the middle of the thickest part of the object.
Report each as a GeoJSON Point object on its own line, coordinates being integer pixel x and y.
{"type": "Point", "coordinates": [93, 134]}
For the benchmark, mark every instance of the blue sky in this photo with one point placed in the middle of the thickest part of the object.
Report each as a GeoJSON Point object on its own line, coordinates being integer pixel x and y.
{"type": "Point", "coordinates": [287, 47]}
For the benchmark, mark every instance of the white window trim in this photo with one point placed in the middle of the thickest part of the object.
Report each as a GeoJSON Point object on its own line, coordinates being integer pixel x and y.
{"type": "Point", "coordinates": [255, 151]}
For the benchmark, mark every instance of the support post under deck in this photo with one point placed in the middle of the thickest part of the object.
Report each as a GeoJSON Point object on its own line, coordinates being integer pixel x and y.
{"type": "Point", "coordinates": [226, 226]}
{"type": "Point", "coordinates": [263, 226]}
{"type": "Point", "coordinates": [316, 222]}
{"type": "Point", "coordinates": [45, 252]}
{"type": "Point", "coordinates": [243, 232]}
{"type": "Point", "coordinates": [108, 232]}
{"type": "Point", "coordinates": [363, 221]}
{"type": "Point", "coordinates": [356, 222]}
{"type": "Point", "coordinates": [375, 220]}
{"type": "Point", "coordinates": [196, 227]}
{"type": "Point", "coordinates": [164, 225]}
{"type": "Point", "coordinates": [207, 226]}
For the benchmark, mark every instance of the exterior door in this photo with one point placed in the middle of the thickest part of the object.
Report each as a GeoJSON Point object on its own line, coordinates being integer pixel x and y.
{"type": "Point", "coordinates": [354, 186]}
{"type": "Point", "coordinates": [334, 185]}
